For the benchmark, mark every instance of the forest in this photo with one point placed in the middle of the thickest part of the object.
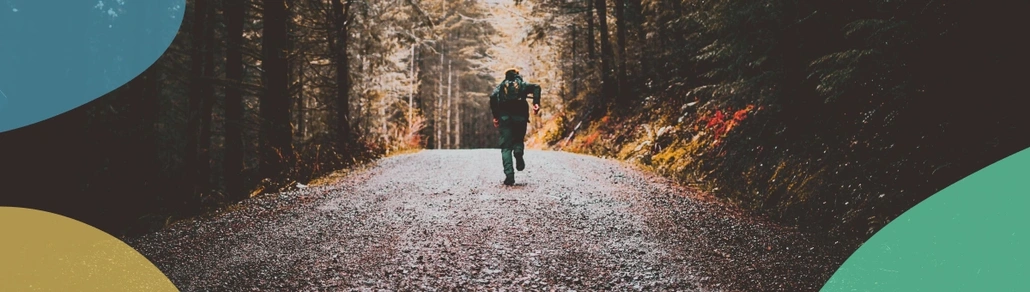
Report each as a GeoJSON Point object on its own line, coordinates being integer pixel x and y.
{"type": "Point", "coordinates": [831, 116]}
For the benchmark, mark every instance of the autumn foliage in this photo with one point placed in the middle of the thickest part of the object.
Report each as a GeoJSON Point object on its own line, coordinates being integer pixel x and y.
{"type": "Point", "coordinates": [720, 124]}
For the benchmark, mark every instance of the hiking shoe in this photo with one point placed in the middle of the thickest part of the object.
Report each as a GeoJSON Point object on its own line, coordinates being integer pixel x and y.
{"type": "Point", "coordinates": [510, 181]}
{"type": "Point", "coordinates": [520, 163]}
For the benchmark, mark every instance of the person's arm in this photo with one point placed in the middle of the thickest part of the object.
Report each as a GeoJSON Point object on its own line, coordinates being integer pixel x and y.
{"type": "Point", "coordinates": [536, 93]}
{"type": "Point", "coordinates": [494, 106]}
{"type": "Point", "coordinates": [535, 90]}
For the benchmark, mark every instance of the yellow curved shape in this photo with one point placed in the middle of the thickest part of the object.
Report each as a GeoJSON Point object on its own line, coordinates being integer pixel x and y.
{"type": "Point", "coordinates": [42, 251]}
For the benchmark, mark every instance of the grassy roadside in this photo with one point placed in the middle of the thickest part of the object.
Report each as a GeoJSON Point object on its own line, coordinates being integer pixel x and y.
{"type": "Point", "coordinates": [715, 150]}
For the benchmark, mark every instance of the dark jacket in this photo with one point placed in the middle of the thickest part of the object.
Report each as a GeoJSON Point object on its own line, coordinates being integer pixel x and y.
{"type": "Point", "coordinates": [518, 110]}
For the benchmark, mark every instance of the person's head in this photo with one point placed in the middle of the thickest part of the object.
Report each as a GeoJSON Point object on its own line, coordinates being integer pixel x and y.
{"type": "Point", "coordinates": [511, 74]}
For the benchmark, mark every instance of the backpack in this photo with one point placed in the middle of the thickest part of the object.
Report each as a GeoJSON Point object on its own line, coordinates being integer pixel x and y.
{"type": "Point", "coordinates": [511, 90]}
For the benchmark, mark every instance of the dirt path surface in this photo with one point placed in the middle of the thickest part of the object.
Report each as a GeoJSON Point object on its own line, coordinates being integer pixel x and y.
{"type": "Point", "coordinates": [440, 220]}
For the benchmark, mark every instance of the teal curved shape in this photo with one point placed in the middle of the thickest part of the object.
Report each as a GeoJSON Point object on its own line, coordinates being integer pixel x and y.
{"type": "Point", "coordinates": [60, 54]}
{"type": "Point", "coordinates": [972, 236]}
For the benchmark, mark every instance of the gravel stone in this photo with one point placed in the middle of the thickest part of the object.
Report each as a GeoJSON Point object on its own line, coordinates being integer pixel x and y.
{"type": "Point", "coordinates": [440, 220]}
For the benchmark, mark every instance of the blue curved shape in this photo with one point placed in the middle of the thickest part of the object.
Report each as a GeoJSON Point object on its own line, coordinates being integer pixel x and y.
{"type": "Point", "coordinates": [60, 54]}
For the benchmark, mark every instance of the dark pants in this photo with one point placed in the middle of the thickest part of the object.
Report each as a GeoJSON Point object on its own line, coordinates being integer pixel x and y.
{"type": "Point", "coordinates": [513, 135]}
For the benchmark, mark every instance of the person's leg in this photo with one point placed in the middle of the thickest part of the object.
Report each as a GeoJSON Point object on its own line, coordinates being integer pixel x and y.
{"type": "Point", "coordinates": [507, 145]}
{"type": "Point", "coordinates": [519, 147]}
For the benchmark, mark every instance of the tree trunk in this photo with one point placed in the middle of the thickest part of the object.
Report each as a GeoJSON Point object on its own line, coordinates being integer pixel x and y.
{"type": "Point", "coordinates": [140, 165]}
{"type": "Point", "coordinates": [191, 160]}
{"type": "Point", "coordinates": [277, 141]}
{"type": "Point", "coordinates": [591, 53]}
{"type": "Point", "coordinates": [608, 88]}
{"type": "Point", "coordinates": [457, 126]}
{"type": "Point", "coordinates": [207, 106]}
{"type": "Point", "coordinates": [152, 116]}
{"type": "Point", "coordinates": [232, 166]}
{"type": "Point", "coordinates": [439, 108]}
{"type": "Point", "coordinates": [572, 81]}
{"type": "Point", "coordinates": [302, 104]}
{"type": "Point", "coordinates": [411, 90]}
{"type": "Point", "coordinates": [620, 39]}
{"type": "Point", "coordinates": [449, 144]}
{"type": "Point", "coordinates": [637, 18]}
{"type": "Point", "coordinates": [341, 12]}
{"type": "Point", "coordinates": [384, 127]}
{"type": "Point", "coordinates": [295, 73]}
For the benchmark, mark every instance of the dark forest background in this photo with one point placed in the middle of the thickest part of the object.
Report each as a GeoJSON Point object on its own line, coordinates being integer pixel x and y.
{"type": "Point", "coordinates": [832, 116]}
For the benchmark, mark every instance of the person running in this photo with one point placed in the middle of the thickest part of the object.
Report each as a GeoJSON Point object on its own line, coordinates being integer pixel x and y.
{"type": "Point", "coordinates": [511, 116]}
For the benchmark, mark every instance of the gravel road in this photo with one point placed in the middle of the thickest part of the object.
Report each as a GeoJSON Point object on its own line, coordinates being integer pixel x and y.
{"type": "Point", "coordinates": [440, 220]}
